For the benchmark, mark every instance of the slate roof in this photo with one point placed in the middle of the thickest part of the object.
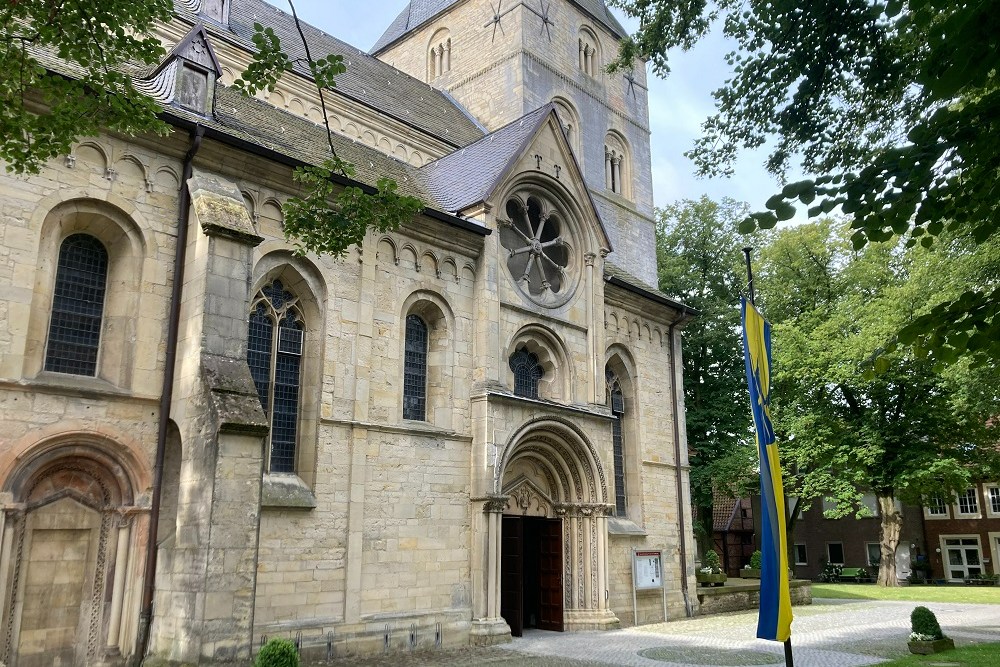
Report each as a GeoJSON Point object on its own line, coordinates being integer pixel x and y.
{"type": "Point", "coordinates": [418, 12]}
{"type": "Point", "coordinates": [367, 79]}
{"type": "Point", "coordinates": [468, 175]}
{"type": "Point", "coordinates": [617, 275]}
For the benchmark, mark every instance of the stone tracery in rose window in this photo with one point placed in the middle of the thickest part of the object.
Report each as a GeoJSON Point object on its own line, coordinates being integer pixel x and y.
{"type": "Point", "coordinates": [538, 254]}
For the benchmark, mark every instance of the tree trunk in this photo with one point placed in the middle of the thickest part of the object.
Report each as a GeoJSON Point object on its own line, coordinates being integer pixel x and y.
{"type": "Point", "coordinates": [892, 521]}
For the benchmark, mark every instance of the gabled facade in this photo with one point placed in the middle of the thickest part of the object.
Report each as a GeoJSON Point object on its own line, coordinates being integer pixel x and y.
{"type": "Point", "coordinates": [461, 429]}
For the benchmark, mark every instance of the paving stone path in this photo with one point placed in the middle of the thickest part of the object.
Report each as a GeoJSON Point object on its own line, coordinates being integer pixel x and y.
{"type": "Point", "coordinates": [829, 633]}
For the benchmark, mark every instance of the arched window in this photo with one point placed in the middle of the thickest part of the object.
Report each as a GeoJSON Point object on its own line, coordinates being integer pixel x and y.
{"type": "Point", "coordinates": [590, 56]}
{"type": "Point", "coordinates": [527, 372]}
{"type": "Point", "coordinates": [415, 369]}
{"type": "Point", "coordinates": [570, 122]}
{"type": "Point", "coordinates": [616, 399]}
{"type": "Point", "coordinates": [439, 54]}
{"type": "Point", "coordinates": [77, 306]}
{"type": "Point", "coordinates": [617, 172]}
{"type": "Point", "coordinates": [274, 354]}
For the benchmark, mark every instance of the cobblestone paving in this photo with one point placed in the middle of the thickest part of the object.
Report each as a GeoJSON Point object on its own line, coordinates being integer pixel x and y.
{"type": "Point", "coordinates": [829, 633]}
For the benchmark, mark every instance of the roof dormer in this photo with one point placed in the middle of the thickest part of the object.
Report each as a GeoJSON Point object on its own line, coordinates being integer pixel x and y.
{"type": "Point", "coordinates": [186, 77]}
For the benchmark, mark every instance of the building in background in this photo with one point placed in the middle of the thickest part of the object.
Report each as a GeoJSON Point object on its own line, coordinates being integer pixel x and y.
{"type": "Point", "coordinates": [852, 541]}
{"type": "Point", "coordinates": [963, 536]}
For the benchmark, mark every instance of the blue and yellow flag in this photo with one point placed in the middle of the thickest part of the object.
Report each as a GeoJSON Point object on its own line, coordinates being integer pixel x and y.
{"type": "Point", "coordinates": [775, 619]}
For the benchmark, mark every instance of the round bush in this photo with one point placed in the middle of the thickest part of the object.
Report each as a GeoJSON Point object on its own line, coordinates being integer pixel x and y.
{"type": "Point", "coordinates": [755, 559]}
{"type": "Point", "coordinates": [277, 653]}
{"type": "Point", "coordinates": [711, 559]}
{"type": "Point", "coordinates": [924, 622]}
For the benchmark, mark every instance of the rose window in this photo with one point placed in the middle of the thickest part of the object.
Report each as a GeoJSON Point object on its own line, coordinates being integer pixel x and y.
{"type": "Point", "coordinates": [538, 256]}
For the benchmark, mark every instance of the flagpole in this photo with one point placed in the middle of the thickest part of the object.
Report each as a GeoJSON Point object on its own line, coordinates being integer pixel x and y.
{"type": "Point", "coordinates": [747, 251]}
{"type": "Point", "coordinates": [789, 660]}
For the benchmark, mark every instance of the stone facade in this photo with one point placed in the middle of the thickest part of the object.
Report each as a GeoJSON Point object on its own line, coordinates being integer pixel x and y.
{"type": "Point", "coordinates": [383, 533]}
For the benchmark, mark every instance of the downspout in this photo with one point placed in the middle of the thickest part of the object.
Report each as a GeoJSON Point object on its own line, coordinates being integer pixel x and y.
{"type": "Point", "coordinates": [677, 469]}
{"type": "Point", "coordinates": [166, 396]}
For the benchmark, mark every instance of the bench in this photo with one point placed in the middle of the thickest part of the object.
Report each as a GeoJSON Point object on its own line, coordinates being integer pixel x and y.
{"type": "Point", "coordinates": [856, 574]}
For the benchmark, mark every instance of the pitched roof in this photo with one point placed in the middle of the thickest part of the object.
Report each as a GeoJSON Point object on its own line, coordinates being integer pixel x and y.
{"type": "Point", "coordinates": [367, 79]}
{"type": "Point", "coordinates": [468, 175]}
{"type": "Point", "coordinates": [418, 12]}
{"type": "Point", "coordinates": [619, 276]}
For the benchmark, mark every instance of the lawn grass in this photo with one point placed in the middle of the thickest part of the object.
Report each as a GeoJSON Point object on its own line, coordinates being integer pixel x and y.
{"type": "Point", "coordinates": [977, 655]}
{"type": "Point", "coordinates": [976, 594]}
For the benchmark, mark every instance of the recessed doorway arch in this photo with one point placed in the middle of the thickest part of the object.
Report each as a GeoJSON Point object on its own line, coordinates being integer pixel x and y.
{"type": "Point", "coordinates": [550, 537]}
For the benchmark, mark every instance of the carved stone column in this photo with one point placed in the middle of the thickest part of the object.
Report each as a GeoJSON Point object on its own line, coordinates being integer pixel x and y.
{"type": "Point", "coordinates": [492, 628]}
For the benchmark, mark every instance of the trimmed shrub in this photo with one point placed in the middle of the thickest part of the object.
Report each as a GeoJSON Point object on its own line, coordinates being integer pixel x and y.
{"type": "Point", "coordinates": [755, 559]}
{"type": "Point", "coordinates": [923, 622]}
{"type": "Point", "coordinates": [711, 559]}
{"type": "Point", "coordinates": [277, 653]}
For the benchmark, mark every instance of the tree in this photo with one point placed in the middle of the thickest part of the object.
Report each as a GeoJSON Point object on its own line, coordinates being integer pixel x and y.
{"type": "Point", "coordinates": [907, 433]}
{"type": "Point", "coordinates": [893, 108]}
{"type": "Point", "coordinates": [65, 70]}
{"type": "Point", "coordinates": [697, 247]}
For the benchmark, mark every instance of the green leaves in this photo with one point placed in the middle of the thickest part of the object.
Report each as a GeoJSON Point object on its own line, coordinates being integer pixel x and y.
{"type": "Point", "coordinates": [41, 113]}
{"type": "Point", "coordinates": [329, 218]}
{"type": "Point", "coordinates": [269, 62]}
{"type": "Point", "coordinates": [894, 108]}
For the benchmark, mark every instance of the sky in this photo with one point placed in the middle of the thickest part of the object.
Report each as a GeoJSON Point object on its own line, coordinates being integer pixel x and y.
{"type": "Point", "coordinates": [677, 105]}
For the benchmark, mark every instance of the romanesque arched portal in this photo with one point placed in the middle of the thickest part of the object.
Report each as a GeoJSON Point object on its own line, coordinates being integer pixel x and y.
{"type": "Point", "coordinates": [67, 544]}
{"type": "Point", "coordinates": [548, 531]}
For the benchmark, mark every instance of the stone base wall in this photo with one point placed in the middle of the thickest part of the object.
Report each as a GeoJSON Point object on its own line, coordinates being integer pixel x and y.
{"type": "Point", "coordinates": [746, 596]}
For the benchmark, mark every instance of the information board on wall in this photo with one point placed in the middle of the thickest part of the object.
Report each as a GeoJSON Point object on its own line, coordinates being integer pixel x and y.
{"type": "Point", "coordinates": [647, 575]}
{"type": "Point", "coordinates": [648, 570]}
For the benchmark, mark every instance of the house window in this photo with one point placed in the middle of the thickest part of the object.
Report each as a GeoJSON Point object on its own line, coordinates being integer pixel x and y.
{"type": "Point", "coordinates": [874, 550]}
{"type": "Point", "coordinates": [800, 555]}
{"type": "Point", "coordinates": [274, 354]}
{"type": "Point", "coordinates": [835, 553]}
{"type": "Point", "coordinates": [616, 400]}
{"type": "Point", "coordinates": [994, 493]}
{"type": "Point", "coordinates": [527, 372]}
{"type": "Point", "coordinates": [968, 502]}
{"type": "Point", "coordinates": [936, 506]}
{"type": "Point", "coordinates": [77, 306]}
{"type": "Point", "coordinates": [415, 369]}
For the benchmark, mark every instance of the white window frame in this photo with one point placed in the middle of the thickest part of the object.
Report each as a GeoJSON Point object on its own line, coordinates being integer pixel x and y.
{"type": "Point", "coordinates": [946, 566]}
{"type": "Point", "coordinates": [805, 551]}
{"type": "Point", "coordinates": [829, 558]}
{"type": "Point", "coordinates": [959, 514]}
{"type": "Point", "coordinates": [988, 490]}
{"type": "Point", "coordinates": [933, 515]}
{"type": "Point", "coordinates": [868, 553]}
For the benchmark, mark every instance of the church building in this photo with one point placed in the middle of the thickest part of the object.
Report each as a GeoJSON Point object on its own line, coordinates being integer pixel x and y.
{"type": "Point", "coordinates": [461, 429]}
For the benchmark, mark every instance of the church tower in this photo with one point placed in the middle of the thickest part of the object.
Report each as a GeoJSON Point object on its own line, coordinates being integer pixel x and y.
{"type": "Point", "coordinates": [502, 61]}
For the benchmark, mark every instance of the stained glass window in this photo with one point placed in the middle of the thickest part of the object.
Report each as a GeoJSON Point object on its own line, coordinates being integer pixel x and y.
{"type": "Point", "coordinates": [77, 306]}
{"type": "Point", "coordinates": [616, 399]}
{"type": "Point", "coordinates": [274, 355]}
{"type": "Point", "coordinates": [527, 372]}
{"type": "Point", "coordinates": [415, 369]}
{"type": "Point", "coordinates": [538, 253]}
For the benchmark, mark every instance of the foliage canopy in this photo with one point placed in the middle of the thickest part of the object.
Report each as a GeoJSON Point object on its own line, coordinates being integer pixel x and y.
{"type": "Point", "coordinates": [697, 247]}
{"type": "Point", "coordinates": [65, 74]}
{"type": "Point", "coordinates": [892, 107]}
